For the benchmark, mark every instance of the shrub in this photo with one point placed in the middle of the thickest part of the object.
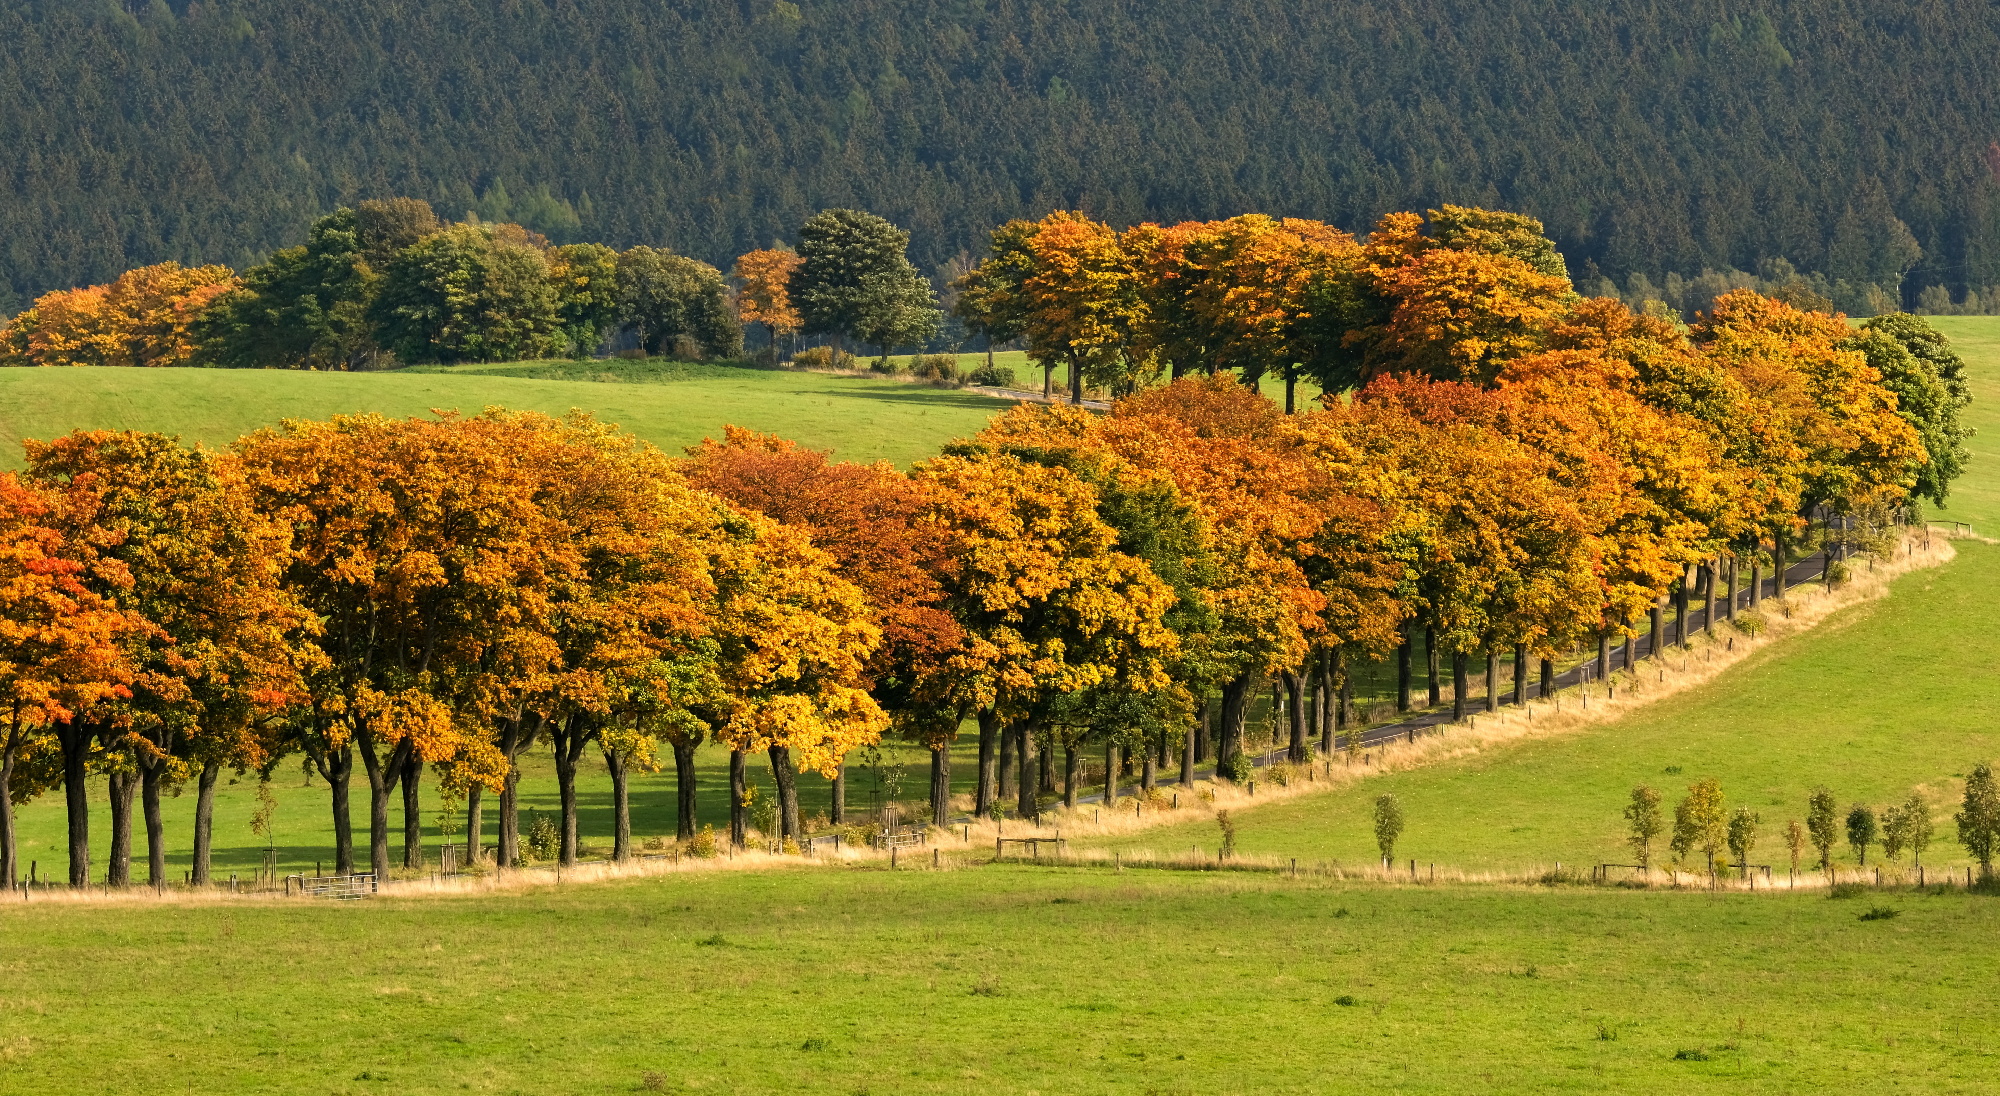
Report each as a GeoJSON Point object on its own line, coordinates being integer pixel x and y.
{"type": "Point", "coordinates": [1878, 913]}
{"type": "Point", "coordinates": [1691, 1054]}
{"type": "Point", "coordinates": [702, 844]}
{"type": "Point", "coordinates": [543, 840]}
{"type": "Point", "coordinates": [1752, 623]}
{"type": "Point", "coordinates": [1228, 825]}
{"type": "Point", "coordinates": [939, 369]}
{"type": "Point", "coordinates": [823, 357]}
{"type": "Point", "coordinates": [993, 376]}
{"type": "Point", "coordinates": [1847, 890]}
{"type": "Point", "coordinates": [1238, 768]}
{"type": "Point", "coordinates": [1388, 826]}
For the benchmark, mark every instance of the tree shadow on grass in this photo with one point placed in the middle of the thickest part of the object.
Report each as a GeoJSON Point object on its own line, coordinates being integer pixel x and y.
{"type": "Point", "coordinates": [932, 397]}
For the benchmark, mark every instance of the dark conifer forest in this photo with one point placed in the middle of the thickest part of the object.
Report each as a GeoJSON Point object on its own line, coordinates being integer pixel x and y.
{"type": "Point", "coordinates": [1850, 137]}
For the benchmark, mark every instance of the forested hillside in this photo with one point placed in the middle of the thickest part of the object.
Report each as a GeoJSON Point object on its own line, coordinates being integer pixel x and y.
{"type": "Point", "coordinates": [1651, 136]}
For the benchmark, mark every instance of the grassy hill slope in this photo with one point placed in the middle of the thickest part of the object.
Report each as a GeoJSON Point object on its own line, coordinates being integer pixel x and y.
{"type": "Point", "coordinates": [670, 404]}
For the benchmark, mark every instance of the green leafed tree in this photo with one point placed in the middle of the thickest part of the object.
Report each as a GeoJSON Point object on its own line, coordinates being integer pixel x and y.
{"type": "Point", "coordinates": [662, 296]}
{"type": "Point", "coordinates": [856, 279]}
{"type": "Point", "coordinates": [1821, 824]}
{"type": "Point", "coordinates": [472, 292]}
{"type": "Point", "coordinates": [1863, 830]}
{"type": "Point", "coordinates": [1642, 817]}
{"type": "Point", "coordinates": [303, 309]}
{"type": "Point", "coordinates": [1918, 364]}
{"type": "Point", "coordinates": [1388, 826]}
{"type": "Point", "coordinates": [1700, 824]}
{"type": "Point", "coordinates": [1979, 818]}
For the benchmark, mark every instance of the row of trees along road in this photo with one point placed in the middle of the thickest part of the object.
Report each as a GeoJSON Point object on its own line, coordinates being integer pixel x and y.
{"type": "Point", "coordinates": [387, 282]}
{"type": "Point", "coordinates": [1518, 469]}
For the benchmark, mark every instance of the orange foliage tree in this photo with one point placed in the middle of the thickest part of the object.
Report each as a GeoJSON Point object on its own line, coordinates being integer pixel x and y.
{"type": "Point", "coordinates": [764, 291]}
{"type": "Point", "coordinates": [142, 319]}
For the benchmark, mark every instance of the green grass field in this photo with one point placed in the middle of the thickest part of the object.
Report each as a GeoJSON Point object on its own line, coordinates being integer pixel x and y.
{"type": "Point", "coordinates": [1021, 979]}
{"type": "Point", "coordinates": [1011, 980]}
{"type": "Point", "coordinates": [669, 404]}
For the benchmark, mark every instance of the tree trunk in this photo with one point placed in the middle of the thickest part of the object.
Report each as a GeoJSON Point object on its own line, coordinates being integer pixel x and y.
{"type": "Point", "coordinates": [382, 778]}
{"type": "Point", "coordinates": [1548, 678]}
{"type": "Point", "coordinates": [836, 811]}
{"type": "Point", "coordinates": [1236, 695]}
{"type": "Point", "coordinates": [739, 828]}
{"type": "Point", "coordinates": [74, 739]}
{"type": "Point", "coordinates": [1291, 385]}
{"type": "Point", "coordinates": [1201, 731]}
{"type": "Point", "coordinates": [1110, 771]}
{"type": "Point", "coordinates": [1756, 583]}
{"type": "Point", "coordinates": [1659, 628]}
{"type": "Point", "coordinates": [121, 787]}
{"type": "Point", "coordinates": [10, 857]}
{"type": "Point", "coordinates": [1007, 739]}
{"type": "Point", "coordinates": [1458, 682]}
{"type": "Point", "coordinates": [1338, 689]}
{"type": "Point", "coordinates": [1681, 611]}
{"type": "Point", "coordinates": [1492, 679]}
{"type": "Point", "coordinates": [1431, 667]}
{"type": "Point", "coordinates": [413, 813]}
{"type": "Point", "coordinates": [475, 824]}
{"type": "Point", "coordinates": [1778, 569]}
{"type": "Point", "coordinates": [150, 776]}
{"type": "Point", "coordinates": [1729, 587]}
{"type": "Point", "coordinates": [1603, 655]}
{"type": "Point", "coordinates": [1520, 674]}
{"type": "Point", "coordinates": [509, 837]}
{"type": "Point", "coordinates": [684, 790]}
{"type": "Point", "coordinates": [567, 735]}
{"type": "Point", "coordinates": [1075, 381]}
{"type": "Point", "coordinates": [1045, 766]}
{"type": "Point", "coordinates": [617, 765]}
{"type": "Point", "coordinates": [787, 779]}
{"type": "Point", "coordinates": [1031, 801]}
{"type": "Point", "coordinates": [1403, 674]}
{"type": "Point", "coordinates": [1048, 379]}
{"type": "Point", "coordinates": [989, 732]}
{"type": "Point", "coordinates": [336, 768]}
{"type": "Point", "coordinates": [1711, 571]}
{"type": "Point", "coordinates": [940, 785]}
{"type": "Point", "coordinates": [1295, 717]}
{"type": "Point", "coordinates": [1187, 758]}
{"type": "Point", "coordinates": [1071, 763]}
{"type": "Point", "coordinates": [1147, 774]}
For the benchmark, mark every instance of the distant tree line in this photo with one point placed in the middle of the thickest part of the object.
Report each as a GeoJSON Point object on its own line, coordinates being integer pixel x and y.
{"type": "Point", "coordinates": [1851, 137]}
{"type": "Point", "coordinates": [387, 282]}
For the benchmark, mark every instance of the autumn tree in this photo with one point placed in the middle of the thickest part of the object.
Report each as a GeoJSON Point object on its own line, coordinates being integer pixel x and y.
{"type": "Point", "coordinates": [1453, 294]}
{"type": "Point", "coordinates": [585, 277]}
{"type": "Point", "coordinates": [1050, 607]}
{"type": "Point", "coordinates": [420, 550]}
{"type": "Point", "coordinates": [199, 567]}
{"type": "Point", "coordinates": [61, 655]}
{"type": "Point", "coordinates": [146, 317]}
{"type": "Point", "coordinates": [871, 520]}
{"type": "Point", "coordinates": [764, 293]}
